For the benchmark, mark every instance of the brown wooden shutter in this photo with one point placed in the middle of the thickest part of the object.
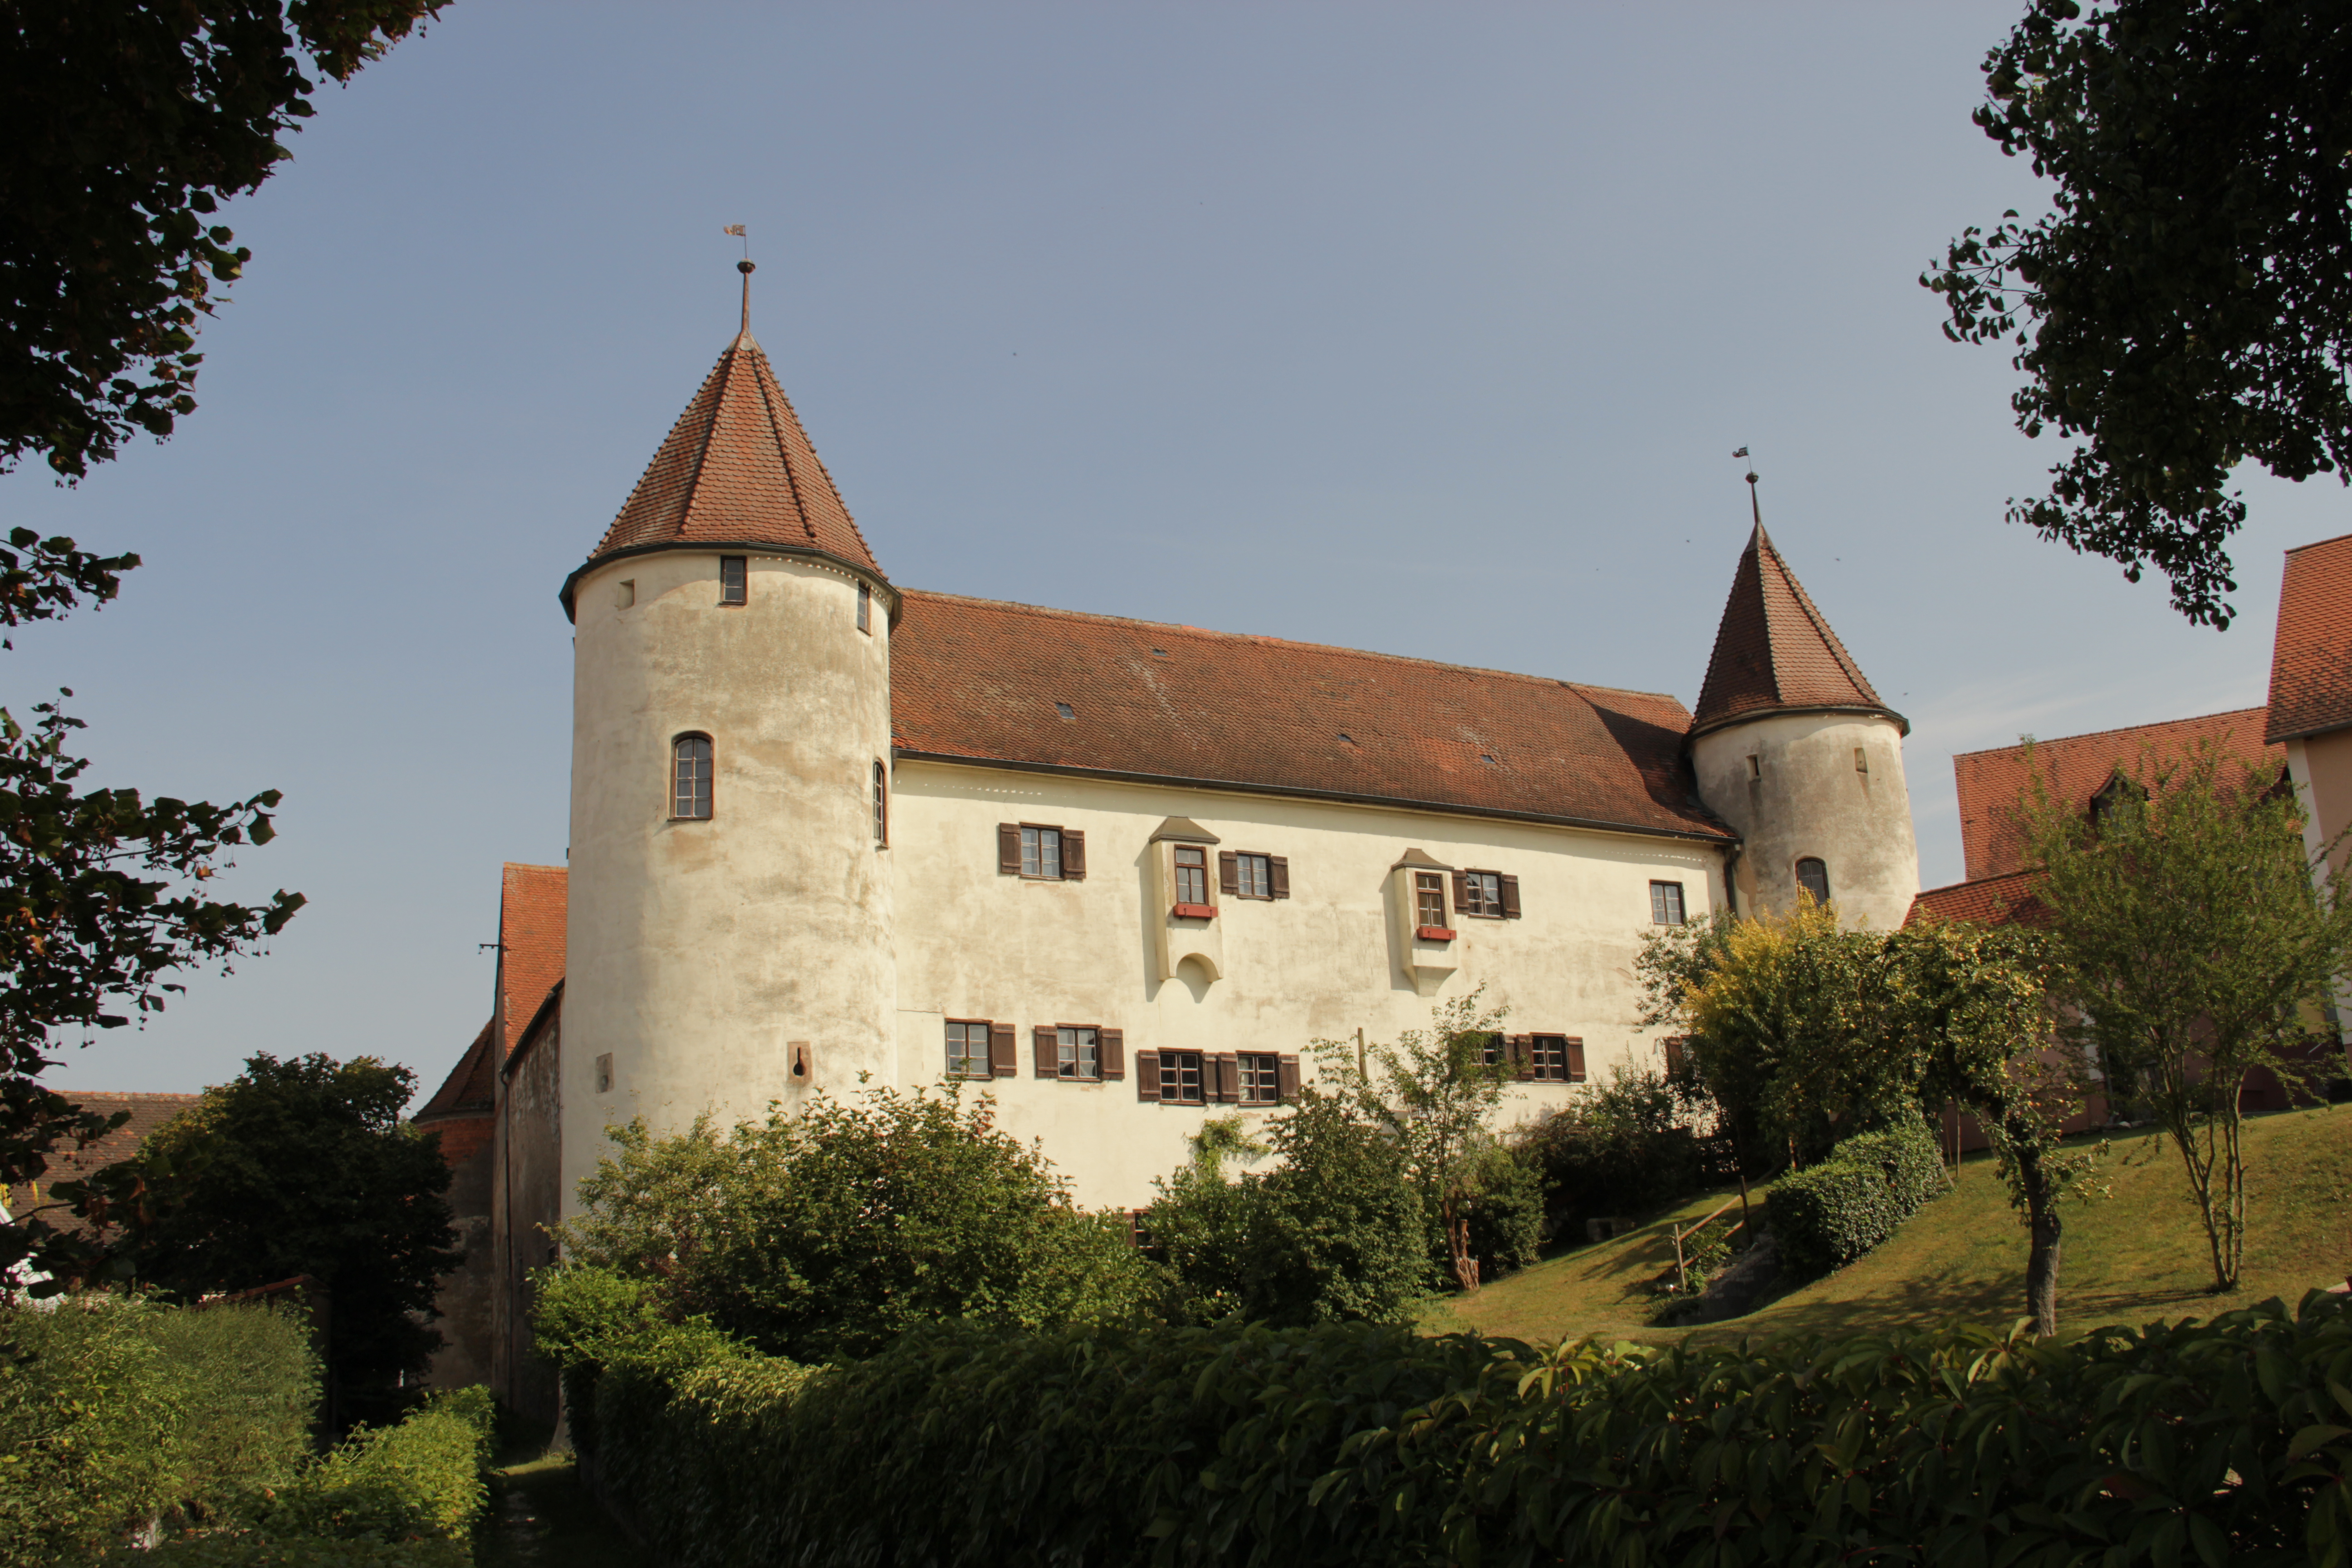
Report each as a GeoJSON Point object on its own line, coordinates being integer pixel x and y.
{"type": "Point", "coordinates": [1279, 879]}
{"type": "Point", "coordinates": [1229, 873]}
{"type": "Point", "coordinates": [1674, 1055]}
{"type": "Point", "coordinates": [1048, 1058]}
{"type": "Point", "coordinates": [1521, 1055]}
{"type": "Point", "coordinates": [1114, 1053]}
{"type": "Point", "coordinates": [1286, 1079]}
{"type": "Point", "coordinates": [1008, 848]}
{"type": "Point", "coordinates": [1073, 855]}
{"type": "Point", "coordinates": [1461, 890]}
{"type": "Point", "coordinates": [1147, 1075]}
{"type": "Point", "coordinates": [1004, 1051]}
{"type": "Point", "coordinates": [1228, 1085]}
{"type": "Point", "coordinates": [1510, 898]}
{"type": "Point", "coordinates": [1575, 1060]}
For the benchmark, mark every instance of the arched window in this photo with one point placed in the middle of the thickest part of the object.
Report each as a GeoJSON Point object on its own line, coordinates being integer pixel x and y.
{"type": "Point", "coordinates": [881, 803]}
{"type": "Point", "coordinates": [1814, 878]}
{"type": "Point", "coordinates": [690, 777]}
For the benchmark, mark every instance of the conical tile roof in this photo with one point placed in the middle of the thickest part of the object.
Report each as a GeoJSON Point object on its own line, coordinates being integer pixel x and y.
{"type": "Point", "coordinates": [737, 469]}
{"type": "Point", "coordinates": [1775, 651]}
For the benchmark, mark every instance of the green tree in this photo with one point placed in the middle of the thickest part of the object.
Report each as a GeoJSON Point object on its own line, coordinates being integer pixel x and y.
{"type": "Point", "coordinates": [1434, 1092]}
{"type": "Point", "coordinates": [2197, 944]}
{"type": "Point", "coordinates": [2190, 294]}
{"type": "Point", "coordinates": [826, 1234]}
{"type": "Point", "coordinates": [128, 122]}
{"type": "Point", "coordinates": [305, 1167]}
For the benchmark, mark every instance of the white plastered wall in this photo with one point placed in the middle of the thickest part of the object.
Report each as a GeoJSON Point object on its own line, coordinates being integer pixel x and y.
{"type": "Point", "coordinates": [699, 953]}
{"type": "Point", "coordinates": [1804, 796]}
{"type": "Point", "coordinates": [976, 943]}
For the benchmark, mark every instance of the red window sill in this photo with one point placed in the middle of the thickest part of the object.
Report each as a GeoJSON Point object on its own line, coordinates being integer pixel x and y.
{"type": "Point", "coordinates": [1195, 911]}
{"type": "Point", "coordinates": [1432, 933]}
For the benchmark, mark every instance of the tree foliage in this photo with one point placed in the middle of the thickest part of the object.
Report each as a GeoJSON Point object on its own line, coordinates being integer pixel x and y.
{"type": "Point", "coordinates": [305, 1167]}
{"type": "Point", "coordinates": [825, 1233]}
{"type": "Point", "coordinates": [2187, 304]}
{"type": "Point", "coordinates": [128, 122]}
{"type": "Point", "coordinates": [2199, 945]}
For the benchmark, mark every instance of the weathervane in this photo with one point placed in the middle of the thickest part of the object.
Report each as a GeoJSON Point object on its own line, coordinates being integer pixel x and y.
{"type": "Point", "coordinates": [1754, 509]}
{"type": "Point", "coordinates": [745, 267]}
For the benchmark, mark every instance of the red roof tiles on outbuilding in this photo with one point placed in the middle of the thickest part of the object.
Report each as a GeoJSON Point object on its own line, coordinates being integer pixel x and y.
{"type": "Point", "coordinates": [2310, 662]}
{"type": "Point", "coordinates": [1991, 901]}
{"type": "Point", "coordinates": [981, 681]}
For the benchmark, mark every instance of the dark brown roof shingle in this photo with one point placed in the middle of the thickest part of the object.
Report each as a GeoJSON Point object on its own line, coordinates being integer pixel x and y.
{"type": "Point", "coordinates": [1773, 649]}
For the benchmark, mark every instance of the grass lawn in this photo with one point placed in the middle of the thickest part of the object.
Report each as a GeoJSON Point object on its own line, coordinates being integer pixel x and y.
{"type": "Point", "coordinates": [2133, 1257]}
{"type": "Point", "coordinates": [540, 1514]}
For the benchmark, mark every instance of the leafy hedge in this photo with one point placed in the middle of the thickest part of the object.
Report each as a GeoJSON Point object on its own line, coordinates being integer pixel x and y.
{"type": "Point", "coordinates": [1364, 1445]}
{"type": "Point", "coordinates": [1826, 1216]}
{"type": "Point", "coordinates": [422, 1479]}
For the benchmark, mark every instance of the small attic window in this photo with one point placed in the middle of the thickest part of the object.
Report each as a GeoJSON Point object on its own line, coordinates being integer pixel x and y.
{"type": "Point", "coordinates": [1160, 653]}
{"type": "Point", "coordinates": [1065, 710]}
{"type": "Point", "coordinates": [1345, 739]}
{"type": "Point", "coordinates": [1485, 757]}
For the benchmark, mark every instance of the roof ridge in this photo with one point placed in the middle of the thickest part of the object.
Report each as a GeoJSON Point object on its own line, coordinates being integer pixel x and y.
{"type": "Point", "coordinates": [1578, 686]}
{"type": "Point", "coordinates": [1820, 623]}
{"type": "Point", "coordinates": [2115, 729]}
{"type": "Point", "coordinates": [1979, 881]}
{"type": "Point", "coordinates": [760, 384]}
{"type": "Point", "coordinates": [2313, 545]}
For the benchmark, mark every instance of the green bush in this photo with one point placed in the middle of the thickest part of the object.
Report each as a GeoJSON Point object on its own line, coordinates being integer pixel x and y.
{"type": "Point", "coordinates": [1618, 1150]}
{"type": "Point", "coordinates": [250, 1551]}
{"type": "Point", "coordinates": [422, 1479]}
{"type": "Point", "coordinates": [1826, 1216]}
{"type": "Point", "coordinates": [116, 1412]}
{"type": "Point", "coordinates": [1506, 1217]}
{"type": "Point", "coordinates": [1362, 1444]}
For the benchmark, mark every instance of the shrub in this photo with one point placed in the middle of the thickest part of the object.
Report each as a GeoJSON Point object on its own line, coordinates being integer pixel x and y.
{"type": "Point", "coordinates": [1619, 1150]}
{"type": "Point", "coordinates": [1826, 1216]}
{"type": "Point", "coordinates": [586, 1319]}
{"type": "Point", "coordinates": [421, 1479]}
{"type": "Point", "coordinates": [115, 1412]}
{"type": "Point", "coordinates": [1365, 1445]}
{"type": "Point", "coordinates": [1506, 1219]}
{"type": "Point", "coordinates": [826, 1234]}
{"type": "Point", "coordinates": [251, 1551]}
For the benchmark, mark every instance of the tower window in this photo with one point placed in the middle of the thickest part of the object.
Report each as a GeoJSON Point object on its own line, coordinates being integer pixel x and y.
{"type": "Point", "coordinates": [733, 581]}
{"type": "Point", "coordinates": [881, 803]}
{"type": "Point", "coordinates": [1667, 903]}
{"type": "Point", "coordinates": [690, 792]}
{"type": "Point", "coordinates": [1861, 761]}
{"type": "Point", "coordinates": [866, 608]}
{"type": "Point", "coordinates": [1814, 879]}
{"type": "Point", "coordinates": [1191, 875]}
{"type": "Point", "coordinates": [1755, 767]}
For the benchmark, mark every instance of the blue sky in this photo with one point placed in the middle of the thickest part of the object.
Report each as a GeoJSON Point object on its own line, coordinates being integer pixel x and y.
{"type": "Point", "coordinates": [1418, 328]}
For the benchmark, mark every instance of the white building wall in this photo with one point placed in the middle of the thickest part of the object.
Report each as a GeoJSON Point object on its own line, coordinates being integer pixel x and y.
{"type": "Point", "coordinates": [974, 943]}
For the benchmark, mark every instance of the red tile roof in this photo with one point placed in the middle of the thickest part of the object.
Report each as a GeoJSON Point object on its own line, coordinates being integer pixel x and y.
{"type": "Point", "coordinates": [530, 947]}
{"type": "Point", "coordinates": [1993, 901]}
{"type": "Point", "coordinates": [737, 470]}
{"type": "Point", "coordinates": [2074, 768]}
{"type": "Point", "coordinates": [66, 1164]}
{"type": "Point", "coordinates": [469, 1088]}
{"type": "Point", "coordinates": [1775, 650]}
{"type": "Point", "coordinates": [2311, 663]}
{"type": "Point", "coordinates": [978, 681]}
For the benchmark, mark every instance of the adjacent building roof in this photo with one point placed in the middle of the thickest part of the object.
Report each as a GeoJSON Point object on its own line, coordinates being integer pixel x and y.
{"type": "Point", "coordinates": [530, 947]}
{"type": "Point", "coordinates": [66, 1164]}
{"type": "Point", "coordinates": [1992, 900]}
{"type": "Point", "coordinates": [2074, 768]}
{"type": "Point", "coordinates": [2311, 663]}
{"type": "Point", "coordinates": [470, 1087]}
{"type": "Point", "coordinates": [737, 470]}
{"type": "Point", "coordinates": [1774, 650]}
{"type": "Point", "coordinates": [981, 681]}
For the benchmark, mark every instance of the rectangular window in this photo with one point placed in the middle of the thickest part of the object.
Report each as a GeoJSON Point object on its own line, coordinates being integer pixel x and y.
{"type": "Point", "coordinates": [1547, 1057]}
{"type": "Point", "coordinates": [881, 803]}
{"type": "Point", "coordinates": [1491, 1054]}
{"type": "Point", "coordinates": [1041, 852]}
{"type": "Point", "coordinates": [1482, 894]}
{"type": "Point", "coordinates": [966, 1048]}
{"type": "Point", "coordinates": [1077, 1053]}
{"type": "Point", "coordinates": [1429, 899]}
{"type": "Point", "coordinates": [1180, 1078]}
{"type": "Point", "coordinates": [1253, 876]}
{"type": "Point", "coordinates": [1667, 903]}
{"type": "Point", "coordinates": [1191, 875]}
{"type": "Point", "coordinates": [1261, 1079]}
{"type": "Point", "coordinates": [866, 608]}
{"type": "Point", "coordinates": [734, 585]}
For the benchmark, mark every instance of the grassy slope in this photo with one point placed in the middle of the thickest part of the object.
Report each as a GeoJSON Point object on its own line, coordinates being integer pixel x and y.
{"type": "Point", "coordinates": [2133, 1257]}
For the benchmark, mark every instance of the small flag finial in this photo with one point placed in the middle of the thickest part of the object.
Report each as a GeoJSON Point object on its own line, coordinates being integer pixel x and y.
{"type": "Point", "coordinates": [1754, 509]}
{"type": "Point", "coordinates": [745, 267]}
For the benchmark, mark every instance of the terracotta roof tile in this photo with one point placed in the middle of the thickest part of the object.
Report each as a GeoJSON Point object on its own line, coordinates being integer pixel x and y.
{"type": "Point", "coordinates": [1993, 835]}
{"type": "Point", "coordinates": [530, 947]}
{"type": "Point", "coordinates": [2311, 663]}
{"type": "Point", "coordinates": [66, 1164]}
{"type": "Point", "coordinates": [1990, 900]}
{"type": "Point", "coordinates": [469, 1090]}
{"type": "Point", "coordinates": [737, 469]}
{"type": "Point", "coordinates": [1774, 649]}
{"type": "Point", "coordinates": [978, 680]}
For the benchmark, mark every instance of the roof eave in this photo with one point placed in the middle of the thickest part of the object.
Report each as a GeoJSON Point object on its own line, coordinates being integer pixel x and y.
{"type": "Point", "coordinates": [1792, 709]}
{"type": "Point", "coordinates": [889, 595]}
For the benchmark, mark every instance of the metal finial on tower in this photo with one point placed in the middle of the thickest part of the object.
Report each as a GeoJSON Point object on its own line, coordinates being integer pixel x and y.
{"type": "Point", "coordinates": [1755, 510]}
{"type": "Point", "coordinates": [746, 267]}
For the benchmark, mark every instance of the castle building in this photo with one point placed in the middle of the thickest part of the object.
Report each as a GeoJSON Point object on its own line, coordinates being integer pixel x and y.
{"type": "Point", "coordinates": [827, 831]}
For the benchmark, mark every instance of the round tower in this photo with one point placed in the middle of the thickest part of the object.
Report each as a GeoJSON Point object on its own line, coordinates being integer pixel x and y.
{"type": "Point", "coordinates": [727, 933]}
{"type": "Point", "coordinates": [1792, 747]}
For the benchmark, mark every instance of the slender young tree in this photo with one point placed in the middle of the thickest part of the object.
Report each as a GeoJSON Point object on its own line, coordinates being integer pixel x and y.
{"type": "Point", "coordinates": [2197, 944]}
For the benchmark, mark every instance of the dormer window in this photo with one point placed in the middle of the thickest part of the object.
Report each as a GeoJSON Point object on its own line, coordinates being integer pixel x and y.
{"type": "Point", "coordinates": [2116, 794]}
{"type": "Point", "coordinates": [690, 778]}
{"type": "Point", "coordinates": [734, 581]}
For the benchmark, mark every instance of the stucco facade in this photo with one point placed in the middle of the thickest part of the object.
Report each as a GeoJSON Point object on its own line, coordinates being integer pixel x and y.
{"type": "Point", "coordinates": [1828, 786]}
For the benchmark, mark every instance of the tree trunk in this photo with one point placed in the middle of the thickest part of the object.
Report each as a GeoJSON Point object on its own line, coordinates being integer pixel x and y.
{"type": "Point", "coordinates": [1458, 1244]}
{"type": "Point", "coordinates": [2042, 1226]}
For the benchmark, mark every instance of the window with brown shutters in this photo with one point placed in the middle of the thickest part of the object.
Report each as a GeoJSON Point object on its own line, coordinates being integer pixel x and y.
{"type": "Point", "coordinates": [1045, 1053]}
{"type": "Point", "coordinates": [1074, 1053]}
{"type": "Point", "coordinates": [1041, 852]}
{"type": "Point", "coordinates": [1261, 1079]}
{"type": "Point", "coordinates": [1546, 1059]}
{"type": "Point", "coordinates": [1147, 1075]}
{"type": "Point", "coordinates": [1114, 1053]}
{"type": "Point", "coordinates": [1486, 894]}
{"type": "Point", "coordinates": [1181, 1077]}
{"type": "Point", "coordinates": [1004, 1051]}
{"type": "Point", "coordinates": [968, 1052]}
{"type": "Point", "coordinates": [1249, 874]}
{"type": "Point", "coordinates": [1677, 1048]}
{"type": "Point", "coordinates": [1278, 872]}
{"type": "Point", "coordinates": [1575, 1060]}
{"type": "Point", "coordinates": [1286, 1079]}
{"type": "Point", "coordinates": [1078, 1053]}
{"type": "Point", "coordinates": [1228, 874]}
